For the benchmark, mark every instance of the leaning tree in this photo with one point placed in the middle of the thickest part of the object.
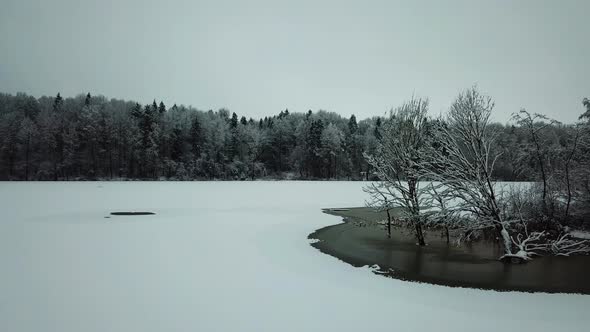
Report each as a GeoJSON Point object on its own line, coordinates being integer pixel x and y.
{"type": "Point", "coordinates": [398, 165]}
{"type": "Point", "coordinates": [461, 158]}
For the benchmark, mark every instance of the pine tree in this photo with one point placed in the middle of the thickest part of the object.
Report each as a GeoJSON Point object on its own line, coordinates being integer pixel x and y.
{"type": "Point", "coordinates": [234, 142]}
{"type": "Point", "coordinates": [243, 120]}
{"type": "Point", "coordinates": [377, 131]}
{"type": "Point", "coordinates": [233, 124]}
{"type": "Point", "coordinates": [58, 103]}
{"type": "Point", "coordinates": [149, 133]}
{"type": "Point", "coordinates": [352, 125]}
{"type": "Point", "coordinates": [162, 108]}
{"type": "Point", "coordinates": [353, 147]}
{"type": "Point", "coordinates": [88, 99]}
{"type": "Point", "coordinates": [136, 111]}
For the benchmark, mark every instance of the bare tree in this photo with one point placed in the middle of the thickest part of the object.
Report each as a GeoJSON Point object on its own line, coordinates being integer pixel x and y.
{"type": "Point", "coordinates": [461, 159]}
{"type": "Point", "coordinates": [573, 145]}
{"type": "Point", "coordinates": [445, 213]}
{"type": "Point", "coordinates": [398, 163]}
{"type": "Point", "coordinates": [379, 201]}
{"type": "Point", "coordinates": [534, 124]}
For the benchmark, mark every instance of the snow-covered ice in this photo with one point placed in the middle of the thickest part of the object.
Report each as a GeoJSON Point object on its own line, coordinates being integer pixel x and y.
{"type": "Point", "coordinates": [221, 256]}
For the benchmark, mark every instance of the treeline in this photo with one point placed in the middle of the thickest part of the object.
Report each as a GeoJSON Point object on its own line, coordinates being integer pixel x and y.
{"type": "Point", "coordinates": [91, 137]}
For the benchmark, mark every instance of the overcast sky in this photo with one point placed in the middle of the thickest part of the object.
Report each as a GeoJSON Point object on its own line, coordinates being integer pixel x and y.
{"type": "Point", "coordinates": [259, 57]}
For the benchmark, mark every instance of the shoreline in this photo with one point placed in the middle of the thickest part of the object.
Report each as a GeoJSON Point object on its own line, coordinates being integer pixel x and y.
{"type": "Point", "coordinates": [361, 241]}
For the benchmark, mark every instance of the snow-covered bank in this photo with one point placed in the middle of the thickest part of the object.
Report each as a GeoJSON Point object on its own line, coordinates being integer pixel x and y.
{"type": "Point", "coordinates": [220, 256]}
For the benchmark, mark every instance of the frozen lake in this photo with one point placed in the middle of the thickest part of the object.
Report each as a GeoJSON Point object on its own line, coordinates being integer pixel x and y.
{"type": "Point", "coordinates": [220, 256]}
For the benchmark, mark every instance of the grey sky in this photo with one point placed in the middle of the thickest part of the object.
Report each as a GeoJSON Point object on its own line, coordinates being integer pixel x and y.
{"type": "Point", "coordinates": [259, 57]}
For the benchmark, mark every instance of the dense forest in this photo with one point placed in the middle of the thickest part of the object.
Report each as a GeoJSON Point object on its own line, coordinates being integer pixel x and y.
{"type": "Point", "coordinates": [91, 137]}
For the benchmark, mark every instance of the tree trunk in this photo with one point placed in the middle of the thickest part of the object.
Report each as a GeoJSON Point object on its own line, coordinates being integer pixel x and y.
{"type": "Point", "coordinates": [388, 224]}
{"type": "Point", "coordinates": [420, 234]}
{"type": "Point", "coordinates": [543, 174]}
{"type": "Point", "coordinates": [505, 237]}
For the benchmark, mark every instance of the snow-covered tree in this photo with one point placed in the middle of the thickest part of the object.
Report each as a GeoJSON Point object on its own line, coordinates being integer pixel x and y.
{"type": "Point", "coordinates": [461, 158]}
{"type": "Point", "coordinates": [398, 163]}
{"type": "Point", "coordinates": [117, 136]}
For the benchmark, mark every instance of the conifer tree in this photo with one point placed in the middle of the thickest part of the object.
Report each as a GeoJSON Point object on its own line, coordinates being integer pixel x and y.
{"type": "Point", "coordinates": [234, 121]}
{"type": "Point", "coordinates": [57, 103]}
{"type": "Point", "coordinates": [136, 111]}
{"type": "Point", "coordinates": [377, 132]}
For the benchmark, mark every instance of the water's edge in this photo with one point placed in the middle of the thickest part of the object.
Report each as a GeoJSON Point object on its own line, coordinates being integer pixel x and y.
{"type": "Point", "coordinates": [472, 267]}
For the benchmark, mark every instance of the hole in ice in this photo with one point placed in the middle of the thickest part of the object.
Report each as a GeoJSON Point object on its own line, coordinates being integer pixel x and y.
{"type": "Point", "coordinates": [131, 213]}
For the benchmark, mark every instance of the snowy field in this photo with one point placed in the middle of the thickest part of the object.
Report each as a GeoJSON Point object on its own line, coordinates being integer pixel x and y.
{"type": "Point", "coordinates": [221, 256]}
